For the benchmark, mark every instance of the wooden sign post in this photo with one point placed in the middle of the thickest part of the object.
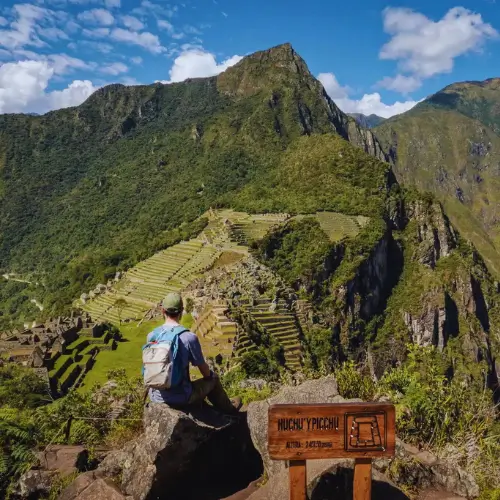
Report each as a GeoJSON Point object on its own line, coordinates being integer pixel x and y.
{"type": "Point", "coordinates": [346, 430]}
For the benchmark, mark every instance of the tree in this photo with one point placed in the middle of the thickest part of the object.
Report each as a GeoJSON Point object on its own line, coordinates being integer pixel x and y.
{"type": "Point", "coordinates": [120, 304]}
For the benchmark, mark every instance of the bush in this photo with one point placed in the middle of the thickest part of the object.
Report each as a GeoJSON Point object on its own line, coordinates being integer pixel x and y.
{"type": "Point", "coordinates": [352, 384]}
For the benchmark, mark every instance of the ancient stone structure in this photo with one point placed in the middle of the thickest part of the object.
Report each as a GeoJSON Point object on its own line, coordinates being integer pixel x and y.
{"type": "Point", "coordinates": [57, 346]}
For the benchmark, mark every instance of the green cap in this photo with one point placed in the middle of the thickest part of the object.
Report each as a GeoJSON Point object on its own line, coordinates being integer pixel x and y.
{"type": "Point", "coordinates": [172, 303]}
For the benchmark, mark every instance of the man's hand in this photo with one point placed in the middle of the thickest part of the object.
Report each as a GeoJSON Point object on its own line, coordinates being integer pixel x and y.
{"type": "Point", "coordinates": [205, 371]}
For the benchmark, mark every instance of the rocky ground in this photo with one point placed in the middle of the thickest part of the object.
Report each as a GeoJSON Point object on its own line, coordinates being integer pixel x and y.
{"type": "Point", "coordinates": [200, 455]}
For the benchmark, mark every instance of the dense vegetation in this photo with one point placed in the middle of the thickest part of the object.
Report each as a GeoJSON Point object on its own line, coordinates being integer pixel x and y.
{"type": "Point", "coordinates": [450, 145]}
{"type": "Point", "coordinates": [90, 190]}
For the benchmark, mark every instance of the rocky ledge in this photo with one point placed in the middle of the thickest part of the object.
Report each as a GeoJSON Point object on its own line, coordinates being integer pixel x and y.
{"type": "Point", "coordinates": [181, 456]}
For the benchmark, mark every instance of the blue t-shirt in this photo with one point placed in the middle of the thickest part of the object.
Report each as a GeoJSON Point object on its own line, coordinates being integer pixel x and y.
{"type": "Point", "coordinates": [189, 352]}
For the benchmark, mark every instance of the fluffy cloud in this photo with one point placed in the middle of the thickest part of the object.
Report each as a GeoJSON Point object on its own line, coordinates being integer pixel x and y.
{"type": "Point", "coordinates": [136, 60]}
{"type": "Point", "coordinates": [23, 88]}
{"type": "Point", "coordinates": [132, 22]}
{"type": "Point", "coordinates": [195, 63]}
{"type": "Point", "coordinates": [110, 4]}
{"type": "Point", "coordinates": [62, 63]}
{"type": "Point", "coordinates": [97, 16]}
{"type": "Point", "coordinates": [401, 83]}
{"type": "Point", "coordinates": [424, 47]}
{"type": "Point", "coordinates": [114, 68]}
{"type": "Point", "coordinates": [368, 104]}
{"type": "Point", "coordinates": [22, 30]}
{"type": "Point", "coordinates": [145, 39]}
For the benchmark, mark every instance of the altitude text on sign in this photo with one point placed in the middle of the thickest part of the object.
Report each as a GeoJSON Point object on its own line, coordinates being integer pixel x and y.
{"type": "Point", "coordinates": [346, 430]}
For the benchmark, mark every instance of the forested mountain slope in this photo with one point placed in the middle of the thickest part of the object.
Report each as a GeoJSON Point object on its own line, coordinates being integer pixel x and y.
{"type": "Point", "coordinates": [84, 190]}
{"type": "Point", "coordinates": [450, 145]}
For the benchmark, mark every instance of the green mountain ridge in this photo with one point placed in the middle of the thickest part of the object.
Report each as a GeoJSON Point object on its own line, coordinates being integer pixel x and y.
{"type": "Point", "coordinates": [449, 145]}
{"type": "Point", "coordinates": [367, 121]}
{"type": "Point", "coordinates": [88, 190]}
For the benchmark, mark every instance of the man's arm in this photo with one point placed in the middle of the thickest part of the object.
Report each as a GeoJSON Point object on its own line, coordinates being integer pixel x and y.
{"type": "Point", "coordinates": [197, 358]}
{"type": "Point", "coordinates": [205, 370]}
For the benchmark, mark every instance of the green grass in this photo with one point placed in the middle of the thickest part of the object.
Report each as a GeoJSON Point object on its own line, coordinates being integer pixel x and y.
{"type": "Point", "coordinates": [127, 355]}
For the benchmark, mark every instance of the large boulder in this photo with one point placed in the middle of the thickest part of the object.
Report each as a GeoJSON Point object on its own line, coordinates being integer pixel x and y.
{"type": "Point", "coordinates": [323, 390]}
{"type": "Point", "coordinates": [160, 463]}
{"type": "Point", "coordinates": [92, 486]}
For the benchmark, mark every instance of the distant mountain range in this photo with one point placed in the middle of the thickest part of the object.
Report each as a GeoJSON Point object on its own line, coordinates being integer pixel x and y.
{"type": "Point", "coordinates": [449, 144]}
{"type": "Point", "coordinates": [367, 121]}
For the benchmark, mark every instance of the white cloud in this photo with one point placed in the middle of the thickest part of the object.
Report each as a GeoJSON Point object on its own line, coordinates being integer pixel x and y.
{"type": "Point", "coordinates": [22, 31]}
{"type": "Point", "coordinates": [110, 4]}
{"type": "Point", "coordinates": [96, 32]}
{"type": "Point", "coordinates": [147, 8]}
{"type": "Point", "coordinates": [52, 33]}
{"type": "Point", "coordinates": [104, 48]}
{"type": "Point", "coordinates": [77, 92]}
{"type": "Point", "coordinates": [368, 104]}
{"type": "Point", "coordinates": [136, 60]}
{"type": "Point", "coordinates": [401, 83]}
{"type": "Point", "coordinates": [197, 63]}
{"type": "Point", "coordinates": [165, 25]}
{"type": "Point", "coordinates": [23, 88]}
{"type": "Point", "coordinates": [114, 68]}
{"type": "Point", "coordinates": [97, 16]}
{"type": "Point", "coordinates": [424, 47]}
{"type": "Point", "coordinates": [224, 14]}
{"type": "Point", "coordinates": [3, 21]}
{"type": "Point", "coordinates": [62, 63]}
{"type": "Point", "coordinates": [132, 22]}
{"type": "Point", "coordinates": [145, 39]}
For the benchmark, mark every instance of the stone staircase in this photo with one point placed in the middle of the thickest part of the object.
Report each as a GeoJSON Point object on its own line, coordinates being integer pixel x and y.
{"type": "Point", "coordinates": [214, 325]}
{"type": "Point", "coordinates": [281, 324]}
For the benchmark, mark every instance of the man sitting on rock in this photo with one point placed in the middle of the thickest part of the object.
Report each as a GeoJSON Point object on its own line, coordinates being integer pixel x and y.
{"type": "Point", "coordinates": [188, 393]}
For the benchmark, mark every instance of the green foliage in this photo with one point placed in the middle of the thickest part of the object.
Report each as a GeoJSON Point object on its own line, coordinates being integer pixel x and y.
{"type": "Point", "coordinates": [22, 388]}
{"type": "Point", "coordinates": [297, 252]}
{"type": "Point", "coordinates": [89, 191]}
{"type": "Point", "coordinates": [321, 350]}
{"type": "Point", "coordinates": [18, 434]}
{"type": "Point", "coordinates": [433, 411]}
{"type": "Point", "coordinates": [232, 383]}
{"type": "Point", "coordinates": [445, 145]}
{"type": "Point", "coordinates": [263, 362]}
{"type": "Point", "coordinates": [352, 384]}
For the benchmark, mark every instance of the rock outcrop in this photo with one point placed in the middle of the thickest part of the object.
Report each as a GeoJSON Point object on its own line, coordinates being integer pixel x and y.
{"type": "Point", "coordinates": [163, 458]}
{"type": "Point", "coordinates": [312, 391]}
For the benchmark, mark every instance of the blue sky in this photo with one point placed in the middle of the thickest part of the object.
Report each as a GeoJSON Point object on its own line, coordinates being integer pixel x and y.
{"type": "Point", "coordinates": [371, 56]}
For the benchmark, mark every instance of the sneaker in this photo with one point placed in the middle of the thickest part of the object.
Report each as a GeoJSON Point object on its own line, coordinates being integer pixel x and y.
{"type": "Point", "coordinates": [237, 403]}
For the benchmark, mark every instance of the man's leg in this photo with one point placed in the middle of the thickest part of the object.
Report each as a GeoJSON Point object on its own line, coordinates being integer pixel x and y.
{"type": "Point", "coordinates": [213, 390]}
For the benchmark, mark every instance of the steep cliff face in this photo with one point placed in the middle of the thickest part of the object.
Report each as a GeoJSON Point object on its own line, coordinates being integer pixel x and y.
{"type": "Point", "coordinates": [450, 145]}
{"type": "Point", "coordinates": [409, 279]}
{"type": "Point", "coordinates": [292, 86]}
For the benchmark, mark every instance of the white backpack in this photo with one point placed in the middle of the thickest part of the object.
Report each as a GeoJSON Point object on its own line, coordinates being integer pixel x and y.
{"type": "Point", "coordinates": [162, 367]}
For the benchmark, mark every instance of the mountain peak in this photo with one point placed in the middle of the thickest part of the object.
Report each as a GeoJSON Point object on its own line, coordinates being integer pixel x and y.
{"type": "Point", "coordinates": [266, 68]}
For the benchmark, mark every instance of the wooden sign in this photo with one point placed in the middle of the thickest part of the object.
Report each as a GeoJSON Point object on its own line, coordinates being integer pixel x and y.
{"type": "Point", "coordinates": [346, 430]}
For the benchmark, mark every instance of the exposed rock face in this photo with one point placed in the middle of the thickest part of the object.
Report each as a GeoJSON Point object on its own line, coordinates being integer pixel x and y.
{"type": "Point", "coordinates": [92, 486]}
{"type": "Point", "coordinates": [34, 484]}
{"type": "Point", "coordinates": [435, 235]}
{"type": "Point", "coordinates": [328, 480]}
{"type": "Point", "coordinates": [313, 391]}
{"type": "Point", "coordinates": [175, 444]}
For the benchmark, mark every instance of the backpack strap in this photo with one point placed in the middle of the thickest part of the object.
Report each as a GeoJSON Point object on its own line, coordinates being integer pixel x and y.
{"type": "Point", "coordinates": [176, 330]}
